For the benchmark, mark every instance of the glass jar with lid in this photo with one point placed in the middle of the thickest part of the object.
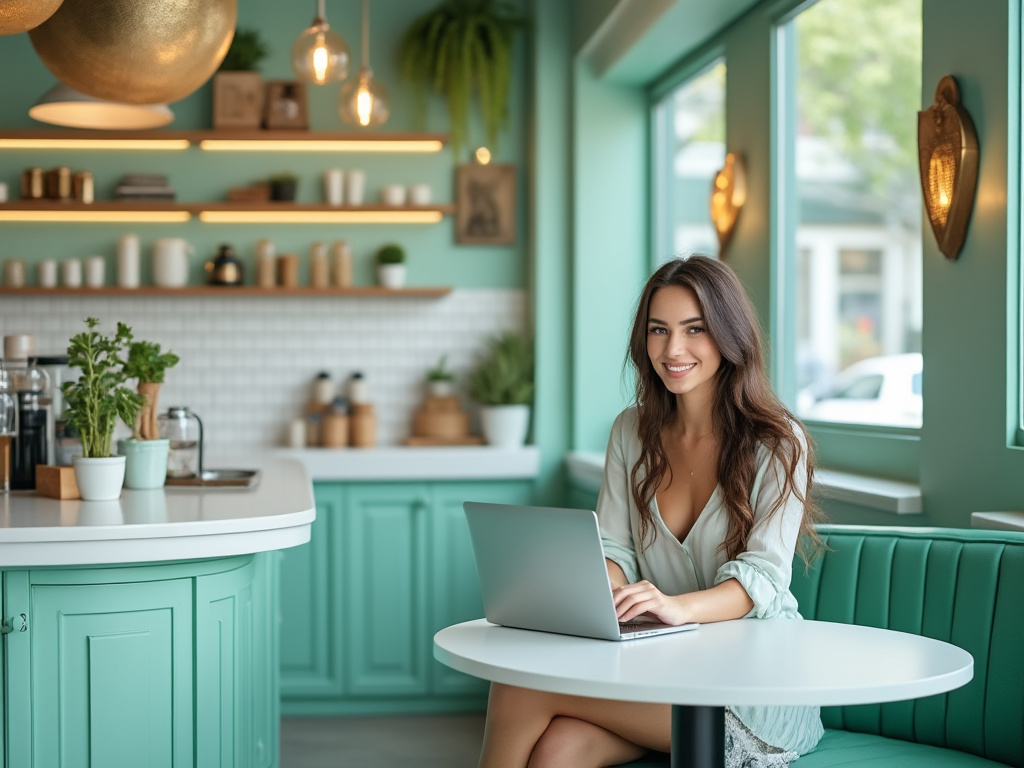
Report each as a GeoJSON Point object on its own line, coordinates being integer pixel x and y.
{"type": "Point", "coordinates": [184, 430]}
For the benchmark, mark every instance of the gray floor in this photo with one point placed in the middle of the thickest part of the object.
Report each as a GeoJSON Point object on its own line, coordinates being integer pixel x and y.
{"type": "Point", "coordinates": [423, 741]}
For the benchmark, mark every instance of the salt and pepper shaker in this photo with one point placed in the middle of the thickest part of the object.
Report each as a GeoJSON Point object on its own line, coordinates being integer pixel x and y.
{"type": "Point", "coordinates": [341, 264]}
{"type": "Point", "coordinates": [95, 272]}
{"type": "Point", "coordinates": [319, 268]}
{"type": "Point", "coordinates": [128, 261]}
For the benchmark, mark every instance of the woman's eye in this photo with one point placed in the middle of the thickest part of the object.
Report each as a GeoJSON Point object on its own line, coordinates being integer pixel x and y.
{"type": "Point", "coordinates": [656, 329]}
{"type": "Point", "coordinates": [695, 329]}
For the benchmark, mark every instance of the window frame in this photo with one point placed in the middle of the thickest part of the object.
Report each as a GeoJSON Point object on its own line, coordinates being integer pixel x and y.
{"type": "Point", "coordinates": [858, 448]}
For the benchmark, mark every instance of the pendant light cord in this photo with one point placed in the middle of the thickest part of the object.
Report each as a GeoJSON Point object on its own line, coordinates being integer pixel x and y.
{"type": "Point", "coordinates": [366, 33]}
{"type": "Point", "coordinates": [321, 13]}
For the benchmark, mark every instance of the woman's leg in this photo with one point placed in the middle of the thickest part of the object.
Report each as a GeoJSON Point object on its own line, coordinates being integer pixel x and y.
{"type": "Point", "coordinates": [517, 718]}
{"type": "Point", "coordinates": [579, 744]}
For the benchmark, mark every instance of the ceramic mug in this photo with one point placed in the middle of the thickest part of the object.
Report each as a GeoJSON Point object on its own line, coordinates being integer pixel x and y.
{"type": "Point", "coordinates": [170, 262]}
{"type": "Point", "coordinates": [392, 194]}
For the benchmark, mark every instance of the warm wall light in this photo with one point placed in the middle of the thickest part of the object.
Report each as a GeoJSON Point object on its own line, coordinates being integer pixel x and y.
{"type": "Point", "coordinates": [728, 194]}
{"type": "Point", "coordinates": [322, 145]}
{"type": "Point", "coordinates": [111, 144]}
{"type": "Point", "coordinates": [96, 216]}
{"type": "Point", "coordinates": [947, 149]}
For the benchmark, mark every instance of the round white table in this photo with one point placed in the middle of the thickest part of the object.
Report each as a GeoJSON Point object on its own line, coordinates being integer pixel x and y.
{"type": "Point", "coordinates": [702, 671]}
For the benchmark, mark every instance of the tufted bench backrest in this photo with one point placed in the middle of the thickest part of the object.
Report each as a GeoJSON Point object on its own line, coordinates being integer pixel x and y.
{"type": "Point", "coordinates": [962, 586]}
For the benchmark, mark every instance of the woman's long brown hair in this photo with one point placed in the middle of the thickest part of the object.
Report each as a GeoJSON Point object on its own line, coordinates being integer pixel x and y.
{"type": "Point", "coordinates": [745, 411]}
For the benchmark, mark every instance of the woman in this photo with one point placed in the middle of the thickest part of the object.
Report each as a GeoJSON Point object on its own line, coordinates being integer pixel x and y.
{"type": "Point", "coordinates": [703, 503]}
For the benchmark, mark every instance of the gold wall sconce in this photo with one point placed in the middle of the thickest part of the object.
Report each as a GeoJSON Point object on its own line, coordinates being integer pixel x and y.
{"type": "Point", "coordinates": [728, 194]}
{"type": "Point", "coordinates": [947, 148]}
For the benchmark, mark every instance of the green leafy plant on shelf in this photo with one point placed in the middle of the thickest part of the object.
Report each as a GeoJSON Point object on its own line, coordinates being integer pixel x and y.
{"type": "Point", "coordinates": [391, 254]}
{"type": "Point", "coordinates": [148, 364]}
{"type": "Point", "coordinates": [462, 49]}
{"type": "Point", "coordinates": [246, 51]}
{"type": "Point", "coordinates": [504, 374]}
{"type": "Point", "coordinates": [439, 372]}
{"type": "Point", "coordinates": [98, 398]}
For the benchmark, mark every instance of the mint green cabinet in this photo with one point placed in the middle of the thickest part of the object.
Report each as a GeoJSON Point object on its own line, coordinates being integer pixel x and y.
{"type": "Point", "coordinates": [160, 665]}
{"type": "Point", "coordinates": [387, 566]}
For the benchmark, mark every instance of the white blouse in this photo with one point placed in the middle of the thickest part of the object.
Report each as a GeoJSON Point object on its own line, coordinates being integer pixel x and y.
{"type": "Point", "coordinates": [697, 562]}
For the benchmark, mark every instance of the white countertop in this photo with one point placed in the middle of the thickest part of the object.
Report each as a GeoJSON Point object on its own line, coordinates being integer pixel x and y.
{"type": "Point", "coordinates": [171, 523]}
{"type": "Point", "coordinates": [420, 463]}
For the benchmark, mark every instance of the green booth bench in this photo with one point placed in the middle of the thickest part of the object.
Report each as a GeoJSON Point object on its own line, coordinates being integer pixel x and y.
{"type": "Point", "coordinates": [962, 586]}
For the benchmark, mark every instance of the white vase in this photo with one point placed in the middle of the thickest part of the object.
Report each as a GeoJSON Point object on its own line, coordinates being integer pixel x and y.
{"type": "Point", "coordinates": [505, 426]}
{"type": "Point", "coordinates": [99, 479]}
{"type": "Point", "coordinates": [441, 388]}
{"type": "Point", "coordinates": [391, 275]}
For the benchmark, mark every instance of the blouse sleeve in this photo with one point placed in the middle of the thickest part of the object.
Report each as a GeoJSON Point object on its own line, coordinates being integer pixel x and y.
{"type": "Point", "coordinates": [765, 569]}
{"type": "Point", "coordinates": [613, 504]}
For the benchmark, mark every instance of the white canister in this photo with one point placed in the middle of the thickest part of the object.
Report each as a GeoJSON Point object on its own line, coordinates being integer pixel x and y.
{"type": "Point", "coordinates": [47, 273]}
{"type": "Point", "coordinates": [128, 261]}
{"type": "Point", "coordinates": [71, 273]}
{"type": "Point", "coordinates": [333, 186]}
{"type": "Point", "coordinates": [3, 191]}
{"type": "Point", "coordinates": [296, 433]}
{"type": "Point", "coordinates": [419, 194]}
{"type": "Point", "coordinates": [14, 273]}
{"type": "Point", "coordinates": [355, 187]}
{"type": "Point", "coordinates": [95, 272]}
{"type": "Point", "coordinates": [392, 194]}
{"type": "Point", "coordinates": [170, 262]}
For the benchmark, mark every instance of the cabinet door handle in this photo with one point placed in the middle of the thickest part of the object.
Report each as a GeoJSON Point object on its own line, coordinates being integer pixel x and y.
{"type": "Point", "coordinates": [9, 625]}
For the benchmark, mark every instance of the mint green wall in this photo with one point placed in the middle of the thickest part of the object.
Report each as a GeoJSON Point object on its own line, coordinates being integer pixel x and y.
{"type": "Point", "coordinates": [433, 257]}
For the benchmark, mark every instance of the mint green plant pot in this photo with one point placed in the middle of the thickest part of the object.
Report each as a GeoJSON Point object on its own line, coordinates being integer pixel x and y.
{"type": "Point", "coordinates": [145, 462]}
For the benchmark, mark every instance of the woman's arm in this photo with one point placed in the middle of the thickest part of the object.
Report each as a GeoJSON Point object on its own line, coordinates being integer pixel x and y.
{"type": "Point", "coordinates": [728, 600]}
{"type": "Point", "coordinates": [616, 575]}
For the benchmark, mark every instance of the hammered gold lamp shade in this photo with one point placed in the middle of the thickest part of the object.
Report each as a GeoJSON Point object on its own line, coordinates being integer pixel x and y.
{"type": "Point", "coordinates": [728, 194]}
{"type": "Point", "coordinates": [136, 51]}
{"type": "Point", "coordinates": [22, 15]}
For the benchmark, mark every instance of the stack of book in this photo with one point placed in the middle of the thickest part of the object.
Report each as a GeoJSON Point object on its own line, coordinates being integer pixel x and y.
{"type": "Point", "coordinates": [144, 186]}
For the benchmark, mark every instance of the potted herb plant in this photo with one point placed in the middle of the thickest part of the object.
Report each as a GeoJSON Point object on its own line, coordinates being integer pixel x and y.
{"type": "Point", "coordinates": [237, 86]}
{"type": "Point", "coordinates": [463, 49]}
{"type": "Point", "coordinates": [502, 383]}
{"type": "Point", "coordinates": [391, 266]}
{"type": "Point", "coordinates": [283, 186]}
{"type": "Point", "coordinates": [145, 450]}
{"type": "Point", "coordinates": [440, 381]}
{"type": "Point", "coordinates": [93, 404]}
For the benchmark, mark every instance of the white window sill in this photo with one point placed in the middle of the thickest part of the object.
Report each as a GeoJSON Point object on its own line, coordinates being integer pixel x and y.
{"type": "Point", "coordinates": [998, 521]}
{"type": "Point", "coordinates": [893, 496]}
{"type": "Point", "coordinates": [586, 469]}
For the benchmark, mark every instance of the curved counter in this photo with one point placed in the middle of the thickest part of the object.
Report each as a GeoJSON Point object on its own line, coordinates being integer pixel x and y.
{"type": "Point", "coordinates": [167, 524]}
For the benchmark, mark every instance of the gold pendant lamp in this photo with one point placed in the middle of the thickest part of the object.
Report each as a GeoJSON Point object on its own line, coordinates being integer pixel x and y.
{"type": "Point", "coordinates": [22, 15]}
{"type": "Point", "coordinates": [136, 51]}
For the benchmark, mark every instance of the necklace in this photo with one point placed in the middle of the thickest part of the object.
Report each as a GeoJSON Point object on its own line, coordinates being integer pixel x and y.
{"type": "Point", "coordinates": [707, 455]}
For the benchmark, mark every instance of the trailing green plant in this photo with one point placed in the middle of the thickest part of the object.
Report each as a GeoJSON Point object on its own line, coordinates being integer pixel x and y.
{"type": "Point", "coordinates": [460, 49]}
{"type": "Point", "coordinates": [246, 51]}
{"type": "Point", "coordinates": [148, 364]}
{"type": "Point", "coordinates": [439, 372]}
{"type": "Point", "coordinates": [504, 374]}
{"type": "Point", "coordinates": [98, 398]}
{"type": "Point", "coordinates": [391, 254]}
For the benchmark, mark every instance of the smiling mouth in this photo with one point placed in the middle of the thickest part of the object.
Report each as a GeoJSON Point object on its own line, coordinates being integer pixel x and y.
{"type": "Point", "coordinates": [680, 368]}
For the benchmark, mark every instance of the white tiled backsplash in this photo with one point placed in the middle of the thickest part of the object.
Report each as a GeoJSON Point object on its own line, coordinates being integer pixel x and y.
{"type": "Point", "coordinates": [247, 363]}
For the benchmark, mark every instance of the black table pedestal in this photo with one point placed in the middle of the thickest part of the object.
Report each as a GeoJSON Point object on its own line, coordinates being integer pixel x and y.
{"type": "Point", "coordinates": [698, 737]}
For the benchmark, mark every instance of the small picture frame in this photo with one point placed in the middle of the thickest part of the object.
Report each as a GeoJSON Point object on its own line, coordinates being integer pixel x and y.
{"type": "Point", "coordinates": [485, 204]}
{"type": "Point", "coordinates": [285, 105]}
{"type": "Point", "coordinates": [237, 100]}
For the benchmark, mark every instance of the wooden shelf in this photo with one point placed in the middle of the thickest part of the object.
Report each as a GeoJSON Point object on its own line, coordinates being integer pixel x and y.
{"type": "Point", "coordinates": [239, 140]}
{"type": "Point", "coordinates": [367, 291]}
{"type": "Point", "coordinates": [107, 211]}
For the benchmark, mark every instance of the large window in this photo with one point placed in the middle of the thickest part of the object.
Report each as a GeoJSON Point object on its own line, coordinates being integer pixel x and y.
{"type": "Point", "coordinates": [689, 151]}
{"type": "Point", "coordinates": [853, 211]}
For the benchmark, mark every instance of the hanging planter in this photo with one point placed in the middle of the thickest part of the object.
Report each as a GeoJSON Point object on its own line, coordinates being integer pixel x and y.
{"type": "Point", "coordinates": [462, 49]}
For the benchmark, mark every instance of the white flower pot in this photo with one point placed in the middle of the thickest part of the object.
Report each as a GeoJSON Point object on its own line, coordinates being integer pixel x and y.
{"type": "Point", "coordinates": [391, 275]}
{"type": "Point", "coordinates": [505, 426]}
{"type": "Point", "coordinates": [441, 388]}
{"type": "Point", "coordinates": [146, 462]}
{"type": "Point", "coordinates": [99, 479]}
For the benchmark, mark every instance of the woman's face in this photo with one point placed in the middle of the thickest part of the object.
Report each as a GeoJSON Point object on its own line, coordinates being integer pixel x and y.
{"type": "Point", "coordinates": [680, 349]}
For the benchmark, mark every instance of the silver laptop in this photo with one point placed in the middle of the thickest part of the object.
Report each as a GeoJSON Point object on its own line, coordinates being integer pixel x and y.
{"type": "Point", "coordinates": [543, 568]}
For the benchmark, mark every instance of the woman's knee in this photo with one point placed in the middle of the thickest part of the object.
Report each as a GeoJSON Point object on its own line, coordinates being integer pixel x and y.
{"type": "Point", "coordinates": [563, 743]}
{"type": "Point", "coordinates": [508, 699]}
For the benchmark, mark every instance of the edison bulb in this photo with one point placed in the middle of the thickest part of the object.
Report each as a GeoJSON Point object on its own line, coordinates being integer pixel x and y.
{"type": "Point", "coordinates": [319, 55]}
{"type": "Point", "coordinates": [363, 100]}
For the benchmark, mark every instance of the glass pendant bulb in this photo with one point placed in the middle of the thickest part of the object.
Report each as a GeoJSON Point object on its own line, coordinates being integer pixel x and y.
{"type": "Point", "coordinates": [319, 55]}
{"type": "Point", "coordinates": [363, 100]}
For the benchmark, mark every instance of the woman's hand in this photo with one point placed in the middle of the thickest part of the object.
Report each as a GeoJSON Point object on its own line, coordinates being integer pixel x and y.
{"type": "Point", "coordinates": [643, 598]}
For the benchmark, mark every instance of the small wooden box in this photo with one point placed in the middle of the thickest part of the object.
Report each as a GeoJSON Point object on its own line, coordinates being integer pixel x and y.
{"type": "Point", "coordinates": [56, 482]}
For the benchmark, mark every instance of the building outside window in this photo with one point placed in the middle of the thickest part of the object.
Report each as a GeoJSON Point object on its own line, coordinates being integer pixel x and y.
{"type": "Point", "coordinates": [852, 192]}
